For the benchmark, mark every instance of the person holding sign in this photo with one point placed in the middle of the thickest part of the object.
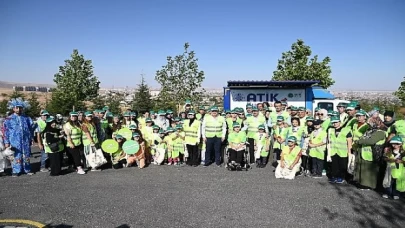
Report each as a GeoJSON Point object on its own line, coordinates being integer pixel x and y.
{"type": "Point", "coordinates": [135, 149]}
{"type": "Point", "coordinates": [159, 148]}
{"type": "Point", "coordinates": [115, 149]}
{"type": "Point", "coordinates": [178, 144]}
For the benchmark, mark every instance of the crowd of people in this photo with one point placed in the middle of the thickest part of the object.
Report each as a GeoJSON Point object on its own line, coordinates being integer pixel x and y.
{"type": "Point", "coordinates": [348, 145]}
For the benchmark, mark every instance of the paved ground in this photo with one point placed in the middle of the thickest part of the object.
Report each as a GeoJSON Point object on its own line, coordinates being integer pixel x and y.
{"type": "Point", "coordinates": [192, 197]}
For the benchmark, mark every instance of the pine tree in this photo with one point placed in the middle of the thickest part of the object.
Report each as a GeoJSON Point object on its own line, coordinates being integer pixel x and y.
{"type": "Point", "coordinates": [142, 99]}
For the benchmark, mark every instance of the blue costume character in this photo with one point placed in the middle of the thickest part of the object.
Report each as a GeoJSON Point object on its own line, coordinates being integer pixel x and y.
{"type": "Point", "coordinates": [18, 134]}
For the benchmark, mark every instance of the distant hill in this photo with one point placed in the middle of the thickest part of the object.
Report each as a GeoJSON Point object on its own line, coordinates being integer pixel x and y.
{"type": "Point", "coordinates": [9, 85]}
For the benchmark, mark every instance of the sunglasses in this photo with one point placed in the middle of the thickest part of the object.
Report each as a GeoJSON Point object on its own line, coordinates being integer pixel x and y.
{"type": "Point", "coordinates": [319, 114]}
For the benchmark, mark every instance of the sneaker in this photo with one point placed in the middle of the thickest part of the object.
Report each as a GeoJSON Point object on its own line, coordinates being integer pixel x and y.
{"type": "Point", "coordinates": [169, 163]}
{"type": "Point", "coordinates": [396, 197]}
{"type": "Point", "coordinates": [95, 170]}
{"type": "Point", "coordinates": [340, 181]}
{"type": "Point", "coordinates": [15, 175]}
{"type": "Point", "coordinates": [332, 180]}
{"type": "Point", "coordinates": [176, 164]}
{"type": "Point", "coordinates": [30, 173]}
{"type": "Point", "coordinates": [80, 171]}
{"type": "Point", "coordinates": [323, 172]}
{"type": "Point", "coordinates": [385, 196]}
{"type": "Point", "coordinates": [317, 176]}
{"type": "Point", "coordinates": [44, 170]}
{"type": "Point", "coordinates": [205, 165]}
{"type": "Point", "coordinates": [202, 163]}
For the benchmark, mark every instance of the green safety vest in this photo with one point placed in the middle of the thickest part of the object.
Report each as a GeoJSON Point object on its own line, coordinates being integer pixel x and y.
{"type": "Point", "coordinates": [338, 144]}
{"type": "Point", "coordinates": [237, 138]}
{"type": "Point", "coordinates": [279, 132]}
{"type": "Point", "coordinates": [274, 116]}
{"type": "Point", "coordinates": [253, 124]}
{"type": "Point", "coordinates": [298, 134]}
{"type": "Point", "coordinates": [262, 140]}
{"type": "Point", "coordinates": [400, 130]}
{"type": "Point", "coordinates": [343, 118]}
{"type": "Point", "coordinates": [48, 149]}
{"type": "Point", "coordinates": [230, 122]}
{"type": "Point", "coordinates": [325, 124]}
{"type": "Point", "coordinates": [367, 151]}
{"type": "Point", "coordinates": [398, 174]}
{"type": "Point", "coordinates": [93, 134]}
{"type": "Point", "coordinates": [191, 132]}
{"type": "Point", "coordinates": [213, 127]}
{"type": "Point", "coordinates": [75, 134]}
{"type": "Point", "coordinates": [178, 143]}
{"type": "Point", "coordinates": [318, 152]}
{"type": "Point", "coordinates": [41, 125]}
{"type": "Point", "coordinates": [288, 156]}
{"type": "Point", "coordinates": [350, 122]}
{"type": "Point", "coordinates": [358, 132]}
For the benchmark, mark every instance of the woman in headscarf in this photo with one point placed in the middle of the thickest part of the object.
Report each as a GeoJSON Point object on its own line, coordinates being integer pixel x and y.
{"type": "Point", "coordinates": [53, 145]}
{"type": "Point", "coordinates": [89, 136]}
{"type": "Point", "coordinates": [74, 144]}
{"type": "Point", "coordinates": [290, 162]}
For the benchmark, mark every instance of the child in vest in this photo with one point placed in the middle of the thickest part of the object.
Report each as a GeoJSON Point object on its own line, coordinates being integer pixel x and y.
{"type": "Point", "coordinates": [262, 146]}
{"type": "Point", "coordinates": [178, 145]}
{"type": "Point", "coordinates": [236, 146]}
{"type": "Point", "coordinates": [279, 135]}
{"type": "Point", "coordinates": [394, 180]}
{"type": "Point", "coordinates": [118, 158]}
{"type": "Point", "coordinates": [290, 162]}
{"type": "Point", "coordinates": [169, 142]}
{"type": "Point", "coordinates": [317, 147]}
{"type": "Point", "coordinates": [305, 165]}
{"type": "Point", "coordinates": [159, 148]}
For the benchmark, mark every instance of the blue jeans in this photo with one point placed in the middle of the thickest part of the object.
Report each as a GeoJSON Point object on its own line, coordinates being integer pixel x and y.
{"type": "Point", "coordinates": [392, 190]}
{"type": "Point", "coordinates": [44, 157]}
{"type": "Point", "coordinates": [213, 144]}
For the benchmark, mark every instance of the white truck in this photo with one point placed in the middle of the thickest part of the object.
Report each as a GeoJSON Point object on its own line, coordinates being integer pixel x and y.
{"type": "Point", "coordinates": [295, 93]}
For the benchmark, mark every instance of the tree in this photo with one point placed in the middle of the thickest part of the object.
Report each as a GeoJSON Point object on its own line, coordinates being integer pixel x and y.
{"type": "Point", "coordinates": [296, 64]}
{"type": "Point", "coordinates": [142, 98]}
{"type": "Point", "coordinates": [75, 84]}
{"type": "Point", "coordinates": [400, 93]}
{"type": "Point", "coordinates": [16, 94]}
{"type": "Point", "coordinates": [6, 98]}
{"type": "Point", "coordinates": [35, 106]}
{"type": "Point", "coordinates": [179, 80]}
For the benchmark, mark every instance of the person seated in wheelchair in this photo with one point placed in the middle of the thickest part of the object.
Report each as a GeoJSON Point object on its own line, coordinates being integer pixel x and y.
{"type": "Point", "coordinates": [290, 162]}
{"type": "Point", "coordinates": [236, 146]}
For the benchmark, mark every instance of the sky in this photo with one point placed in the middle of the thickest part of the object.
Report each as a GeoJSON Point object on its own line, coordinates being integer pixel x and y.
{"type": "Point", "coordinates": [233, 39]}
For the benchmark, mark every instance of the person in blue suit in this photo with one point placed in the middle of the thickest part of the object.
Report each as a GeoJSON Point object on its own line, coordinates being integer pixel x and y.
{"type": "Point", "coordinates": [18, 135]}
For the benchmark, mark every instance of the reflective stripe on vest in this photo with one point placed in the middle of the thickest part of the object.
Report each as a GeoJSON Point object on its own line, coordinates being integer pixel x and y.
{"type": "Point", "coordinates": [253, 124]}
{"type": "Point", "coordinates": [93, 134]}
{"type": "Point", "coordinates": [75, 134]}
{"type": "Point", "coordinates": [318, 152]}
{"type": "Point", "coordinates": [338, 145]}
{"type": "Point", "coordinates": [288, 156]}
{"type": "Point", "coordinates": [191, 132]}
{"type": "Point", "coordinates": [213, 127]}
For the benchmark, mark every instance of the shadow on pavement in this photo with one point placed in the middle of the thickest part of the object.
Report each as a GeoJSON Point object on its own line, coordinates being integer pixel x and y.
{"type": "Point", "coordinates": [123, 226]}
{"type": "Point", "coordinates": [58, 226]}
{"type": "Point", "coordinates": [369, 210]}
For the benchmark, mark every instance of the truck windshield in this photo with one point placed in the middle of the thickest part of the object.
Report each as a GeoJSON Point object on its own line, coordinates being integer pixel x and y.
{"type": "Point", "coordinates": [325, 105]}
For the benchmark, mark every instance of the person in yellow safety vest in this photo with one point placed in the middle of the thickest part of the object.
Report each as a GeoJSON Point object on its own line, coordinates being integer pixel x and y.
{"type": "Point", "coordinates": [178, 145]}
{"type": "Point", "coordinates": [201, 113]}
{"type": "Point", "coordinates": [74, 144]}
{"type": "Point", "coordinates": [394, 181]}
{"type": "Point", "coordinates": [160, 148]}
{"type": "Point", "coordinates": [343, 116]}
{"type": "Point", "coordinates": [261, 146]}
{"type": "Point", "coordinates": [296, 129]}
{"type": "Point", "coordinates": [118, 159]}
{"type": "Point", "coordinates": [290, 162]}
{"type": "Point", "coordinates": [169, 142]}
{"type": "Point", "coordinates": [351, 115]}
{"type": "Point", "coordinates": [192, 130]}
{"type": "Point", "coordinates": [278, 112]}
{"type": "Point", "coordinates": [398, 129]}
{"type": "Point", "coordinates": [53, 146]}
{"type": "Point", "coordinates": [251, 126]}
{"type": "Point", "coordinates": [279, 136]}
{"type": "Point", "coordinates": [339, 147]}
{"type": "Point", "coordinates": [366, 170]}
{"type": "Point", "coordinates": [236, 146]}
{"type": "Point", "coordinates": [317, 145]}
{"type": "Point", "coordinates": [127, 119]}
{"type": "Point", "coordinates": [213, 132]}
{"type": "Point", "coordinates": [89, 136]}
{"type": "Point", "coordinates": [249, 107]}
{"type": "Point", "coordinates": [234, 118]}
{"type": "Point", "coordinates": [147, 132]}
{"type": "Point", "coordinates": [41, 127]}
{"type": "Point", "coordinates": [303, 116]}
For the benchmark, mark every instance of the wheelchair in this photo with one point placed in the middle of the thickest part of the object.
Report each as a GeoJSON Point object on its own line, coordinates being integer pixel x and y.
{"type": "Point", "coordinates": [244, 166]}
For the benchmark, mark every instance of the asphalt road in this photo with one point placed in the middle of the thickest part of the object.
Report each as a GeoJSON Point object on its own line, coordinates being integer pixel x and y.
{"type": "Point", "coordinates": [167, 196]}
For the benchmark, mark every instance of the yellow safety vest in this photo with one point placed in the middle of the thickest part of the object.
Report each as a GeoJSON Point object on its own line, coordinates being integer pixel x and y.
{"type": "Point", "coordinates": [191, 132]}
{"type": "Point", "coordinates": [213, 127]}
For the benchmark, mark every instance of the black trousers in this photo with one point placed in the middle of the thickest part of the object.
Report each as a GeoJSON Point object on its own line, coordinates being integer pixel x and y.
{"type": "Point", "coordinates": [305, 162]}
{"type": "Point", "coordinates": [55, 160]}
{"type": "Point", "coordinates": [317, 166]}
{"type": "Point", "coordinates": [236, 156]}
{"type": "Point", "coordinates": [193, 158]}
{"type": "Point", "coordinates": [339, 167]}
{"type": "Point", "coordinates": [251, 142]}
{"type": "Point", "coordinates": [76, 154]}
